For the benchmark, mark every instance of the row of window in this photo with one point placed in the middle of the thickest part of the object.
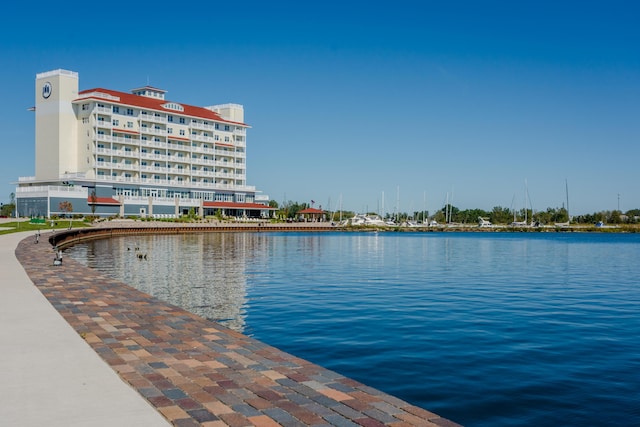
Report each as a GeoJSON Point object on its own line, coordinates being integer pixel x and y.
{"type": "Point", "coordinates": [172, 194]}
{"type": "Point", "coordinates": [182, 132]}
{"type": "Point", "coordinates": [170, 118]}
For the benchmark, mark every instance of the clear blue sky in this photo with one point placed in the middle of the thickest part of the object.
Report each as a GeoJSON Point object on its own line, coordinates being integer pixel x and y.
{"type": "Point", "coordinates": [351, 100]}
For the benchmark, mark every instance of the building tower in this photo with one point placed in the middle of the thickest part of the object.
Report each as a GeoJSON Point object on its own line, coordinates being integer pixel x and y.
{"type": "Point", "coordinates": [56, 124]}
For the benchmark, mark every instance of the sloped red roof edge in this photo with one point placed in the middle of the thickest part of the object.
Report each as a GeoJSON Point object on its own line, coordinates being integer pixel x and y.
{"type": "Point", "coordinates": [154, 104]}
{"type": "Point", "coordinates": [102, 201]}
{"type": "Point", "coordinates": [311, 211]}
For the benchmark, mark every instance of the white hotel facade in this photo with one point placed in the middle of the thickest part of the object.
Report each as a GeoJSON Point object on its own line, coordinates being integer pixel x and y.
{"type": "Point", "coordinates": [111, 153]}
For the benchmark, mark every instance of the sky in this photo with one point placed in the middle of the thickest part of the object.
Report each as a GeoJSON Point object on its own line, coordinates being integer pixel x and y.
{"type": "Point", "coordinates": [367, 105]}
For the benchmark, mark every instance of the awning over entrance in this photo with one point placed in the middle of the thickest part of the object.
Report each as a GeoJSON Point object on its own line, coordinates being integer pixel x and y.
{"type": "Point", "coordinates": [253, 210]}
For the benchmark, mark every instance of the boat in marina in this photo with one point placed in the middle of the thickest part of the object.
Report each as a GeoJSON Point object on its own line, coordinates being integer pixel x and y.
{"type": "Point", "coordinates": [366, 220]}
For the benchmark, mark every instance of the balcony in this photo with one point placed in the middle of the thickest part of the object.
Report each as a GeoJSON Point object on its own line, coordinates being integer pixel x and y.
{"type": "Point", "coordinates": [153, 131]}
{"type": "Point", "coordinates": [152, 156]}
{"type": "Point", "coordinates": [106, 124]}
{"type": "Point", "coordinates": [123, 140]}
{"type": "Point", "coordinates": [155, 144]}
{"type": "Point", "coordinates": [202, 138]}
{"type": "Point", "coordinates": [202, 126]}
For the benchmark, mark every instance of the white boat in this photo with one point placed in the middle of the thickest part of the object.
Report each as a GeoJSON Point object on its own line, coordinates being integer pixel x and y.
{"type": "Point", "coordinates": [367, 220]}
{"type": "Point", "coordinates": [484, 222]}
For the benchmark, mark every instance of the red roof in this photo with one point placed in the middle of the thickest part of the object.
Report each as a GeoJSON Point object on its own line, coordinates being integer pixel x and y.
{"type": "Point", "coordinates": [154, 104]}
{"type": "Point", "coordinates": [234, 205]}
{"type": "Point", "coordinates": [311, 211]}
{"type": "Point", "coordinates": [102, 201]}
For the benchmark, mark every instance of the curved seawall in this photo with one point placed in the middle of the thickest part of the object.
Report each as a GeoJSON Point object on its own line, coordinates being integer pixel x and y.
{"type": "Point", "coordinates": [194, 371]}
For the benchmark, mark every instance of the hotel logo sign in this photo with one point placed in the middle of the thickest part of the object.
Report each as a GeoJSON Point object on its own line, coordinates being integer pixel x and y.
{"type": "Point", "coordinates": [46, 90]}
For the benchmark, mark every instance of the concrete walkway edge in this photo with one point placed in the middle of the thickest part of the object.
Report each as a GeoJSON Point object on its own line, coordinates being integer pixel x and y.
{"type": "Point", "coordinates": [50, 376]}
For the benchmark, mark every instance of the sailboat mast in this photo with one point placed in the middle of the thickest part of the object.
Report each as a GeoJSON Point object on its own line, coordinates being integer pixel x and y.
{"type": "Point", "coordinates": [525, 201]}
{"type": "Point", "coordinates": [566, 188]}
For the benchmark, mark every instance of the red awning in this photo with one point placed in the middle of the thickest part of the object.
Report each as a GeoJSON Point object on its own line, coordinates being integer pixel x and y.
{"type": "Point", "coordinates": [102, 201]}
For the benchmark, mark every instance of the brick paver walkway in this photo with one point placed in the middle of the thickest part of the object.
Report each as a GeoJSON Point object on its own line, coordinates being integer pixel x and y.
{"type": "Point", "coordinates": [198, 373]}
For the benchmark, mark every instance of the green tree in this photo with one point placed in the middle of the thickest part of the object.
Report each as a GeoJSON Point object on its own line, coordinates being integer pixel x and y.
{"type": "Point", "coordinates": [615, 217]}
{"type": "Point", "coordinates": [8, 209]}
{"type": "Point", "coordinates": [500, 215]}
{"type": "Point", "coordinates": [93, 199]}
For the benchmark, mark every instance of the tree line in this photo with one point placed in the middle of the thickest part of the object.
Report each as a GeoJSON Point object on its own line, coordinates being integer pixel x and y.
{"type": "Point", "coordinates": [498, 215]}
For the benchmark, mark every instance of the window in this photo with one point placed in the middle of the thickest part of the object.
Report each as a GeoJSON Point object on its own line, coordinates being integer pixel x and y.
{"type": "Point", "coordinates": [85, 107]}
{"type": "Point", "coordinates": [169, 130]}
{"type": "Point", "coordinates": [130, 125]}
{"type": "Point", "coordinates": [170, 119]}
{"type": "Point", "coordinates": [116, 122]}
{"type": "Point", "coordinates": [116, 109]}
{"type": "Point", "coordinates": [182, 132]}
{"type": "Point", "coordinates": [182, 121]}
{"type": "Point", "coordinates": [217, 126]}
{"type": "Point", "coordinates": [129, 111]}
{"type": "Point", "coordinates": [226, 139]}
{"type": "Point", "coordinates": [226, 127]}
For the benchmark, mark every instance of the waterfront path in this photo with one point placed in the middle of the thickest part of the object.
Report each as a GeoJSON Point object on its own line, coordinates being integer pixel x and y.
{"type": "Point", "coordinates": [194, 372]}
{"type": "Point", "coordinates": [48, 375]}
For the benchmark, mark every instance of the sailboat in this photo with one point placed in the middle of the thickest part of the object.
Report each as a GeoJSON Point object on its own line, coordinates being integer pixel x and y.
{"type": "Point", "coordinates": [565, 224]}
{"type": "Point", "coordinates": [522, 223]}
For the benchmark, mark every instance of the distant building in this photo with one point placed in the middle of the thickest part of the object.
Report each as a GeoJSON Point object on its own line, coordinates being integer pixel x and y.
{"type": "Point", "coordinates": [112, 153]}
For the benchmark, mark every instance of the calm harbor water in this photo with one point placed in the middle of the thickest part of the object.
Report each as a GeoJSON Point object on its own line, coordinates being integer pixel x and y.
{"type": "Point", "coordinates": [486, 329]}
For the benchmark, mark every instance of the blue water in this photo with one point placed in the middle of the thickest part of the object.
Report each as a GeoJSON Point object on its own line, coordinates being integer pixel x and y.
{"type": "Point", "coordinates": [486, 329]}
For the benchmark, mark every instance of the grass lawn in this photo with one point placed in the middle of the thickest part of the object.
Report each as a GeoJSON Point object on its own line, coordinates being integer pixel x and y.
{"type": "Point", "coordinates": [58, 224]}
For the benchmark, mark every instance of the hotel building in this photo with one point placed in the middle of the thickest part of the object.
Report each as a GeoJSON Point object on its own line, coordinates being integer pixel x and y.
{"type": "Point", "coordinates": [108, 153]}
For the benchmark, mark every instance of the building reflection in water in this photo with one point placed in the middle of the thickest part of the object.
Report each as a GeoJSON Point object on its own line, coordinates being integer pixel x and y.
{"type": "Point", "coordinates": [202, 273]}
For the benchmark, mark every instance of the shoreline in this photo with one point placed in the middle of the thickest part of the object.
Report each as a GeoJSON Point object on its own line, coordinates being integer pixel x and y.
{"type": "Point", "coordinates": [62, 237]}
{"type": "Point", "coordinates": [194, 371]}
